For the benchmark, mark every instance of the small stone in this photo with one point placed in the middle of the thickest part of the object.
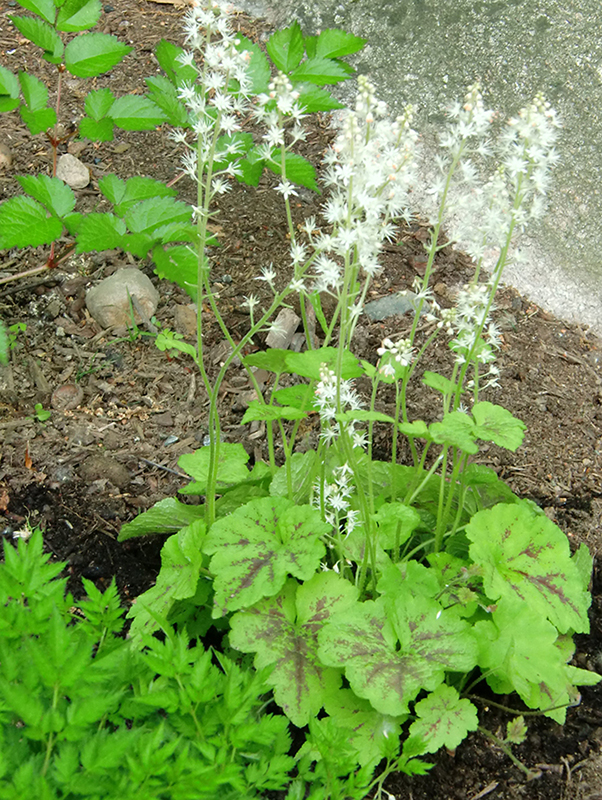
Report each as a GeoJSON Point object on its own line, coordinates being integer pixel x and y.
{"type": "Point", "coordinates": [283, 329]}
{"type": "Point", "coordinates": [99, 467]}
{"type": "Point", "coordinates": [185, 320]}
{"type": "Point", "coordinates": [71, 170]}
{"type": "Point", "coordinates": [164, 419]}
{"type": "Point", "coordinates": [394, 305]}
{"type": "Point", "coordinates": [6, 157]}
{"type": "Point", "coordinates": [67, 397]}
{"type": "Point", "coordinates": [109, 302]}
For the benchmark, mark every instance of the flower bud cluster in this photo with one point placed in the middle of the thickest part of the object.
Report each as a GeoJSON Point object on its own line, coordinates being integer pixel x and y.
{"type": "Point", "coordinates": [330, 397]}
{"type": "Point", "coordinates": [335, 498]}
{"type": "Point", "coordinates": [394, 355]}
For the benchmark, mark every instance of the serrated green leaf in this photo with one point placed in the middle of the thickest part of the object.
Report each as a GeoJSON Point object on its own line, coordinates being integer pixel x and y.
{"type": "Point", "coordinates": [370, 733]}
{"type": "Point", "coordinates": [38, 121]}
{"type": "Point", "coordinates": [8, 104]}
{"type": "Point", "coordinates": [177, 232]}
{"type": "Point", "coordinates": [438, 382]}
{"type": "Point", "coordinates": [496, 424]}
{"type": "Point", "coordinates": [255, 548]}
{"type": "Point", "coordinates": [166, 516]}
{"type": "Point", "coordinates": [78, 15]}
{"type": "Point", "coordinates": [273, 360]}
{"type": "Point", "coordinates": [147, 215]}
{"type": "Point", "coordinates": [168, 341]}
{"type": "Point", "coordinates": [298, 169]}
{"type": "Point", "coordinates": [524, 556]}
{"type": "Point", "coordinates": [392, 651]}
{"type": "Point", "coordinates": [313, 98]}
{"type": "Point", "coordinates": [35, 93]}
{"type": "Point", "coordinates": [258, 411]}
{"type": "Point", "coordinates": [134, 113]}
{"type": "Point", "coordinates": [516, 731]}
{"type": "Point", "coordinates": [98, 103]}
{"type": "Point", "coordinates": [231, 467]}
{"type": "Point", "coordinates": [137, 189]}
{"type": "Point", "coordinates": [41, 34]}
{"type": "Point", "coordinates": [167, 55]}
{"type": "Point", "coordinates": [285, 47]}
{"type": "Point", "coordinates": [584, 562]}
{"type": "Point", "coordinates": [283, 631]}
{"type": "Point", "coordinates": [93, 54]}
{"type": "Point", "coordinates": [308, 364]}
{"type": "Point", "coordinates": [101, 131]}
{"type": "Point", "coordinates": [396, 523]}
{"type": "Point", "coordinates": [163, 94]}
{"type": "Point", "coordinates": [456, 430]}
{"type": "Point", "coordinates": [25, 223]}
{"type": "Point", "coordinates": [51, 192]}
{"type": "Point", "coordinates": [43, 8]}
{"type": "Point", "coordinates": [298, 396]}
{"type": "Point", "coordinates": [9, 84]}
{"type": "Point", "coordinates": [417, 428]}
{"type": "Point", "coordinates": [335, 43]}
{"type": "Point", "coordinates": [302, 466]}
{"type": "Point", "coordinates": [258, 68]}
{"type": "Point", "coordinates": [98, 232]}
{"type": "Point", "coordinates": [113, 188]}
{"type": "Point", "coordinates": [443, 719]}
{"type": "Point", "coordinates": [181, 560]}
{"type": "Point", "coordinates": [178, 264]}
{"type": "Point", "coordinates": [321, 71]}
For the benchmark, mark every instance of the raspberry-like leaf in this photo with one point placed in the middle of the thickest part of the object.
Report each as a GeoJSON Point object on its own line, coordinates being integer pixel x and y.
{"type": "Point", "coordinates": [255, 548]}
{"type": "Point", "coordinates": [283, 631]}
{"type": "Point", "coordinates": [25, 223]}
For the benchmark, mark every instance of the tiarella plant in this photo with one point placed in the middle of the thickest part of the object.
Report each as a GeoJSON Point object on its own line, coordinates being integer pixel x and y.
{"type": "Point", "coordinates": [377, 595]}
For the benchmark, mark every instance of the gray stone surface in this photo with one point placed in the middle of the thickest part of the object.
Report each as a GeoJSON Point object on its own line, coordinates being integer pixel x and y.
{"type": "Point", "coordinates": [427, 53]}
{"type": "Point", "coordinates": [392, 305]}
{"type": "Point", "coordinates": [71, 170]}
{"type": "Point", "coordinates": [109, 301]}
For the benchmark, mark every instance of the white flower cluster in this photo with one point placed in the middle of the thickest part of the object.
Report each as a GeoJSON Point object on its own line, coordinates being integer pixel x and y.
{"type": "Point", "coordinates": [213, 108]}
{"type": "Point", "coordinates": [336, 500]}
{"type": "Point", "coordinates": [331, 398]}
{"type": "Point", "coordinates": [400, 352]}
{"type": "Point", "coordinates": [369, 170]}
{"type": "Point", "coordinates": [476, 333]}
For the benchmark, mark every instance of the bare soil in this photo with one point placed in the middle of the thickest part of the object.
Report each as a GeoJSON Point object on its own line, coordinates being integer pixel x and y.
{"type": "Point", "coordinates": [90, 468]}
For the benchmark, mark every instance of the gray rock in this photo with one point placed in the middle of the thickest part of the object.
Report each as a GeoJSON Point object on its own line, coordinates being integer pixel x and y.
{"type": "Point", "coordinates": [284, 327]}
{"type": "Point", "coordinates": [71, 170]}
{"type": "Point", "coordinates": [393, 305]}
{"type": "Point", "coordinates": [6, 157]}
{"type": "Point", "coordinates": [109, 301]}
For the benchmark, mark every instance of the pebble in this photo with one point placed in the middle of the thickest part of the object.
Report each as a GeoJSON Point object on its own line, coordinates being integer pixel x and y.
{"type": "Point", "coordinates": [283, 330]}
{"type": "Point", "coordinates": [67, 397]}
{"type": "Point", "coordinates": [71, 170]}
{"type": "Point", "coordinates": [393, 305]}
{"type": "Point", "coordinates": [185, 320]}
{"type": "Point", "coordinates": [109, 301]}
{"type": "Point", "coordinates": [6, 157]}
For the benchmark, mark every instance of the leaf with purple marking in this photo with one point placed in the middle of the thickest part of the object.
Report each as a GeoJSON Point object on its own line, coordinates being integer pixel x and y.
{"type": "Point", "coordinates": [525, 556]}
{"type": "Point", "coordinates": [283, 631]}
{"type": "Point", "coordinates": [443, 719]}
{"type": "Point", "coordinates": [257, 546]}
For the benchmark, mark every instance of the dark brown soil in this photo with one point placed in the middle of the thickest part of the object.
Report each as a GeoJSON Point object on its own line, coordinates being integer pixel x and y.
{"type": "Point", "coordinates": [85, 471]}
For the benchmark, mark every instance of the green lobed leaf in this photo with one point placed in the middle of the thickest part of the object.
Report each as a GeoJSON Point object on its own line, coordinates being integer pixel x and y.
{"type": "Point", "coordinates": [178, 264]}
{"type": "Point", "coordinates": [259, 410]}
{"type": "Point", "coordinates": [181, 560]}
{"type": "Point", "coordinates": [167, 55]}
{"type": "Point", "coordinates": [302, 466]}
{"type": "Point", "coordinates": [43, 8]}
{"type": "Point", "coordinates": [25, 223]}
{"type": "Point", "coordinates": [41, 34]}
{"type": "Point", "coordinates": [166, 516]}
{"type": "Point", "coordinates": [396, 523]}
{"type": "Point", "coordinates": [9, 86]}
{"type": "Point", "coordinates": [113, 188]}
{"type": "Point", "coordinates": [51, 192]}
{"type": "Point", "coordinates": [136, 189]}
{"type": "Point", "coordinates": [273, 360]}
{"type": "Point", "coordinates": [98, 232]}
{"type": "Point", "coordinates": [98, 103]}
{"type": "Point", "coordinates": [308, 364]}
{"type": "Point", "coordinates": [335, 43]}
{"type": "Point", "coordinates": [438, 382]}
{"type": "Point", "coordinates": [525, 556]}
{"type": "Point", "coordinates": [285, 47]}
{"type": "Point", "coordinates": [299, 396]}
{"type": "Point", "coordinates": [443, 719]}
{"type": "Point", "coordinates": [258, 69]}
{"type": "Point", "coordinates": [101, 131]}
{"type": "Point", "coordinates": [255, 548]}
{"type": "Point", "coordinates": [417, 428]}
{"type": "Point", "coordinates": [392, 650]}
{"type": "Point", "coordinates": [78, 15]}
{"type": "Point", "coordinates": [496, 424]}
{"type": "Point", "coordinates": [168, 341]}
{"type": "Point", "coordinates": [93, 54]}
{"type": "Point", "coordinates": [298, 169]}
{"type": "Point", "coordinates": [35, 93]}
{"type": "Point", "coordinates": [134, 113]}
{"type": "Point", "coordinates": [231, 467]}
{"type": "Point", "coordinates": [283, 632]}
{"type": "Point", "coordinates": [321, 71]}
{"type": "Point", "coordinates": [456, 430]}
